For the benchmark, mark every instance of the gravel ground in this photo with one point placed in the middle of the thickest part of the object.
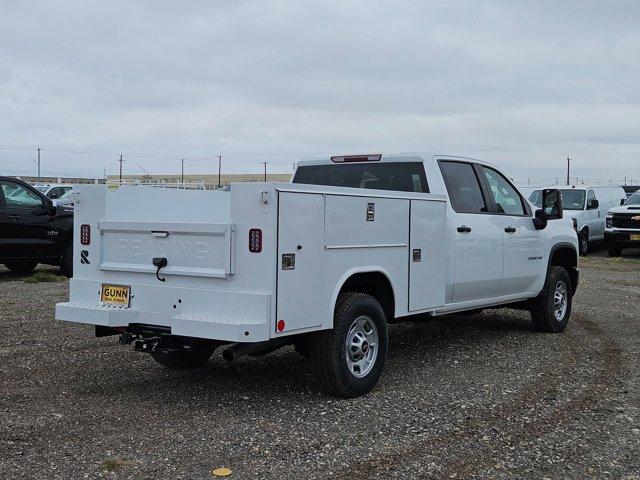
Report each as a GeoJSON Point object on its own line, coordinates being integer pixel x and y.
{"type": "Point", "coordinates": [461, 397]}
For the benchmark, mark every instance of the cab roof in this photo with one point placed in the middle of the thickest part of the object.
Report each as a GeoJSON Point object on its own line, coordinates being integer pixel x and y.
{"type": "Point", "coordinates": [384, 157]}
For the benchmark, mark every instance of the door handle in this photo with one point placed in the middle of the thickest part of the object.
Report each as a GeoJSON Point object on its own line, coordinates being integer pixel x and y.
{"type": "Point", "coordinates": [14, 217]}
{"type": "Point", "coordinates": [510, 229]}
{"type": "Point", "coordinates": [464, 229]}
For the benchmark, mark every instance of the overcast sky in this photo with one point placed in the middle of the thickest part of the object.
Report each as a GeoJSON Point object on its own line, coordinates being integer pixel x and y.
{"type": "Point", "coordinates": [521, 84]}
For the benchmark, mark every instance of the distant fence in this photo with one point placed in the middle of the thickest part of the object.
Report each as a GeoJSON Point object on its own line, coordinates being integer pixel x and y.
{"type": "Point", "coordinates": [148, 183]}
{"type": "Point", "coordinates": [49, 180]}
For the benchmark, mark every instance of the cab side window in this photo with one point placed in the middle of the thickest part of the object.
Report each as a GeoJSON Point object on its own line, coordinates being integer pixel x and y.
{"type": "Point", "coordinates": [590, 197]}
{"type": "Point", "coordinates": [17, 196]}
{"type": "Point", "coordinates": [463, 187]}
{"type": "Point", "coordinates": [507, 199]}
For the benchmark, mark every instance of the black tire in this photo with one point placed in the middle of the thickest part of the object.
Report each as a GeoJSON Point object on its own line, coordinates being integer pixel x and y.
{"type": "Point", "coordinates": [184, 359]}
{"type": "Point", "coordinates": [583, 243]}
{"type": "Point", "coordinates": [614, 250]}
{"type": "Point", "coordinates": [543, 309]}
{"type": "Point", "coordinates": [22, 267]}
{"type": "Point", "coordinates": [303, 345]}
{"type": "Point", "coordinates": [329, 350]}
{"type": "Point", "coordinates": [67, 260]}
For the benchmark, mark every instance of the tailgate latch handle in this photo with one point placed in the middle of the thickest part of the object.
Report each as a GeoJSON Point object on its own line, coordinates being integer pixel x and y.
{"type": "Point", "coordinates": [160, 262]}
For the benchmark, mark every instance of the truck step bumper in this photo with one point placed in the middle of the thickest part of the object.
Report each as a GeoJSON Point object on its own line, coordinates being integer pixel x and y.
{"type": "Point", "coordinates": [210, 314]}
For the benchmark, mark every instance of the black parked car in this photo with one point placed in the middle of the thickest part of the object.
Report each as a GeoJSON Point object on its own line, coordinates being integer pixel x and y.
{"type": "Point", "coordinates": [32, 229]}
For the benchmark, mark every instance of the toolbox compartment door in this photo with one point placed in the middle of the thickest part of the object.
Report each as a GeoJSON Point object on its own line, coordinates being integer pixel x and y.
{"type": "Point", "coordinates": [301, 288]}
{"type": "Point", "coordinates": [427, 255]}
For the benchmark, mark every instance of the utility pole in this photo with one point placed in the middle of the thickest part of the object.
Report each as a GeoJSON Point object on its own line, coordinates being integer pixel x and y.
{"type": "Point", "coordinates": [39, 162]}
{"type": "Point", "coordinates": [219, 170]}
{"type": "Point", "coordinates": [182, 171]}
{"type": "Point", "coordinates": [568, 169]}
{"type": "Point", "coordinates": [265, 171]}
{"type": "Point", "coordinates": [120, 160]}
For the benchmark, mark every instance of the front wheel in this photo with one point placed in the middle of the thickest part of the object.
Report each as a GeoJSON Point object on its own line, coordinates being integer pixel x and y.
{"type": "Point", "coordinates": [349, 358]}
{"type": "Point", "coordinates": [583, 240]}
{"type": "Point", "coordinates": [22, 267]}
{"type": "Point", "coordinates": [614, 251]}
{"type": "Point", "coordinates": [551, 309]}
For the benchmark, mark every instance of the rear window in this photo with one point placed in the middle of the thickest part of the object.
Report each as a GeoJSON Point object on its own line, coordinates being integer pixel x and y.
{"type": "Point", "coordinates": [396, 176]}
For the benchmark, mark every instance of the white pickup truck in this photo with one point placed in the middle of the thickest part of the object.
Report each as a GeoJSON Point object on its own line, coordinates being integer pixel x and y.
{"type": "Point", "coordinates": [324, 263]}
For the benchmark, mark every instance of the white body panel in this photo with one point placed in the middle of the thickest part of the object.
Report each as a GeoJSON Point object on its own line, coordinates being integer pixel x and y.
{"type": "Point", "coordinates": [216, 288]}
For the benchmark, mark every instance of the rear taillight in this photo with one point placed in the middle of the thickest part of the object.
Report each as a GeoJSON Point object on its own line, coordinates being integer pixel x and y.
{"type": "Point", "coordinates": [255, 240]}
{"type": "Point", "coordinates": [85, 234]}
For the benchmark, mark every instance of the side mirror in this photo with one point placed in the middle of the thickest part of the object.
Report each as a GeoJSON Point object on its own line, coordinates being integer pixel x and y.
{"type": "Point", "coordinates": [49, 207]}
{"type": "Point", "coordinates": [551, 208]}
{"type": "Point", "coordinates": [552, 204]}
{"type": "Point", "coordinates": [593, 204]}
{"type": "Point", "coordinates": [622, 201]}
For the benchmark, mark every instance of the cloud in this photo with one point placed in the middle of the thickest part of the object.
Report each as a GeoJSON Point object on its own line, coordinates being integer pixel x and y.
{"type": "Point", "coordinates": [522, 84]}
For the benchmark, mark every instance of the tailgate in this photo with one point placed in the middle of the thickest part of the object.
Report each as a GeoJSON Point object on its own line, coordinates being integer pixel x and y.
{"type": "Point", "coordinates": [191, 249]}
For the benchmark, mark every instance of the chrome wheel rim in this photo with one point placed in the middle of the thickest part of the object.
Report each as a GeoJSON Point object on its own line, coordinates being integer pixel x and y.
{"type": "Point", "coordinates": [560, 301]}
{"type": "Point", "coordinates": [361, 347]}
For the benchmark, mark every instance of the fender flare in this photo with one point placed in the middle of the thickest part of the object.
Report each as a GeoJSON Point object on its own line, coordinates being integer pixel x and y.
{"type": "Point", "coordinates": [563, 245]}
{"type": "Point", "coordinates": [354, 271]}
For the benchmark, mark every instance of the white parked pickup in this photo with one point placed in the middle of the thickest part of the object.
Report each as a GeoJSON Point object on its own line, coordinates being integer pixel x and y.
{"type": "Point", "coordinates": [324, 263]}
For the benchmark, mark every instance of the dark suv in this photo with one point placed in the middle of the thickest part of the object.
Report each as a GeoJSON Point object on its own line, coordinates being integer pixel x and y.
{"type": "Point", "coordinates": [32, 229]}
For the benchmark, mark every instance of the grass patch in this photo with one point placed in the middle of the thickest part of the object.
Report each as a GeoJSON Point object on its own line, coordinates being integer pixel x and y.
{"type": "Point", "coordinates": [616, 264]}
{"type": "Point", "coordinates": [44, 277]}
{"type": "Point", "coordinates": [113, 465]}
{"type": "Point", "coordinates": [624, 283]}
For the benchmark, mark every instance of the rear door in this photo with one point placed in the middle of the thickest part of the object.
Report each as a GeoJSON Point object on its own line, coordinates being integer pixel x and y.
{"type": "Point", "coordinates": [479, 239]}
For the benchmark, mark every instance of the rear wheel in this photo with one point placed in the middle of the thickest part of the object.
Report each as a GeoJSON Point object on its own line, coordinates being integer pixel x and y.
{"type": "Point", "coordinates": [551, 309]}
{"type": "Point", "coordinates": [23, 267]}
{"type": "Point", "coordinates": [614, 250]}
{"type": "Point", "coordinates": [349, 358]}
{"type": "Point", "coordinates": [184, 359]}
{"type": "Point", "coordinates": [67, 260]}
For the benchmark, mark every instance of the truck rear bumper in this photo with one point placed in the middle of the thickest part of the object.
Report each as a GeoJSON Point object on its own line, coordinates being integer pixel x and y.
{"type": "Point", "coordinates": [210, 314]}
